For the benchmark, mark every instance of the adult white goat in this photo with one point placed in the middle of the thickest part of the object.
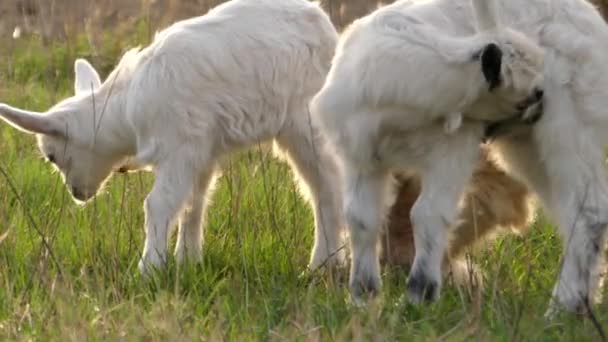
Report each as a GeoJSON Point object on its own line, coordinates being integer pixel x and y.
{"type": "Point", "coordinates": [398, 74]}
{"type": "Point", "coordinates": [241, 74]}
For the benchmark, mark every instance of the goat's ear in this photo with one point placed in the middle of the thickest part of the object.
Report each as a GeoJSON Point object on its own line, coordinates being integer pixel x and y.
{"type": "Point", "coordinates": [87, 78]}
{"type": "Point", "coordinates": [30, 122]}
{"type": "Point", "coordinates": [491, 62]}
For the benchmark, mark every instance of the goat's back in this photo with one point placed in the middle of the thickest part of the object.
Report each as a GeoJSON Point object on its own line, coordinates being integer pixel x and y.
{"type": "Point", "coordinates": [240, 71]}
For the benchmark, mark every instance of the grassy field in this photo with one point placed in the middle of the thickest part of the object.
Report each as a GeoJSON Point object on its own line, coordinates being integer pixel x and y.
{"type": "Point", "coordinates": [69, 272]}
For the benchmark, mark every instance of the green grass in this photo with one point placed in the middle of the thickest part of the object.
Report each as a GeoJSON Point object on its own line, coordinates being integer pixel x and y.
{"type": "Point", "coordinates": [69, 272]}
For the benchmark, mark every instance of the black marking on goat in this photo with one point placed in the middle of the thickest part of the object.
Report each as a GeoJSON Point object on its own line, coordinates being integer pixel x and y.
{"type": "Point", "coordinates": [420, 285]}
{"type": "Point", "coordinates": [596, 246]}
{"type": "Point", "coordinates": [491, 62]}
{"type": "Point", "coordinates": [366, 286]}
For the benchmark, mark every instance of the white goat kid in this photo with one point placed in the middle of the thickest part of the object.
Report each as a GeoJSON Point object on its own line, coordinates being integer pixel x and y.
{"type": "Point", "coordinates": [241, 74]}
{"type": "Point", "coordinates": [397, 75]}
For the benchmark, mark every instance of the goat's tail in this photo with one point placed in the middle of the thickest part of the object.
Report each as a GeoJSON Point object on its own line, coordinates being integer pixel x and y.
{"type": "Point", "coordinates": [486, 15]}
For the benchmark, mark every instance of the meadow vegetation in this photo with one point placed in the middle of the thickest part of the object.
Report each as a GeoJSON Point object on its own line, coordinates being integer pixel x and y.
{"type": "Point", "coordinates": [68, 272]}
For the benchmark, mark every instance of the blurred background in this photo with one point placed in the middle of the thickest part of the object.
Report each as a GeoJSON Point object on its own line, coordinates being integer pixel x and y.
{"type": "Point", "coordinates": [54, 20]}
{"type": "Point", "coordinates": [43, 37]}
{"type": "Point", "coordinates": [60, 19]}
{"type": "Point", "coordinates": [39, 39]}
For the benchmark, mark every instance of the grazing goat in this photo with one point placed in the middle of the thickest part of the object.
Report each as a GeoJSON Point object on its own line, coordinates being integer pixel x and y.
{"type": "Point", "coordinates": [241, 74]}
{"type": "Point", "coordinates": [397, 75]}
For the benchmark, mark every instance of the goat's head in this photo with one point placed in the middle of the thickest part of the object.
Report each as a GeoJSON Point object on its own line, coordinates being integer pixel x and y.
{"type": "Point", "coordinates": [66, 135]}
{"type": "Point", "coordinates": [512, 70]}
{"type": "Point", "coordinates": [512, 66]}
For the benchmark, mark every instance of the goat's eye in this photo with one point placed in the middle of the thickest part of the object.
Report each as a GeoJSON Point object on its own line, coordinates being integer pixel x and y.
{"type": "Point", "coordinates": [51, 158]}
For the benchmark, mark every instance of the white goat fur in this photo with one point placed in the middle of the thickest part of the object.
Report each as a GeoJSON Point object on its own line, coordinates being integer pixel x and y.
{"type": "Point", "coordinates": [242, 74]}
{"type": "Point", "coordinates": [381, 98]}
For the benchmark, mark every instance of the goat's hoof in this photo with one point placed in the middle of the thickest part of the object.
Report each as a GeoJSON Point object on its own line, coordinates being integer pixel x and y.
{"type": "Point", "coordinates": [361, 299]}
{"type": "Point", "coordinates": [358, 302]}
{"type": "Point", "coordinates": [365, 287]}
{"type": "Point", "coordinates": [145, 269]}
{"type": "Point", "coordinates": [556, 309]}
{"type": "Point", "coordinates": [150, 265]}
{"type": "Point", "coordinates": [188, 256]}
{"type": "Point", "coordinates": [306, 276]}
{"type": "Point", "coordinates": [421, 289]}
{"type": "Point", "coordinates": [555, 313]}
{"type": "Point", "coordinates": [552, 313]}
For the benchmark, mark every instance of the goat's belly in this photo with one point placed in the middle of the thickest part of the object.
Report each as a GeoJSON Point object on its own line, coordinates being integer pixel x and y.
{"type": "Point", "coordinates": [418, 150]}
{"type": "Point", "coordinates": [245, 127]}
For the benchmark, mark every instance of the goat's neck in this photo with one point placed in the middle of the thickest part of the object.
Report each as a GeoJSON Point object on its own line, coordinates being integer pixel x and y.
{"type": "Point", "coordinates": [112, 133]}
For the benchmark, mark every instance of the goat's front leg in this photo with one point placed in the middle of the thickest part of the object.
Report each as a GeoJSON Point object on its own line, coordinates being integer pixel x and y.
{"type": "Point", "coordinates": [189, 244]}
{"type": "Point", "coordinates": [434, 212]}
{"type": "Point", "coordinates": [172, 188]}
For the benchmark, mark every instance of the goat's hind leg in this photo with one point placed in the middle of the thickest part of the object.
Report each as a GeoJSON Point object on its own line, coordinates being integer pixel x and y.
{"type": "Point", "coordinates": [319, 181]}
{"type": "Point", "coordinates": [580, 203]}
{"type": "Point", "coordinates": [577, 198]}
{"type": "Point", "coordinates": [364, 203]}
{"type": "Point", "coordinates": [578, 195]}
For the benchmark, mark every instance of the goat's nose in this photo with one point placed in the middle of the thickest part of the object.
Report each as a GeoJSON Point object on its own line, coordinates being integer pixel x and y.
{"type": "Point", "coordinates": [538, 94]}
